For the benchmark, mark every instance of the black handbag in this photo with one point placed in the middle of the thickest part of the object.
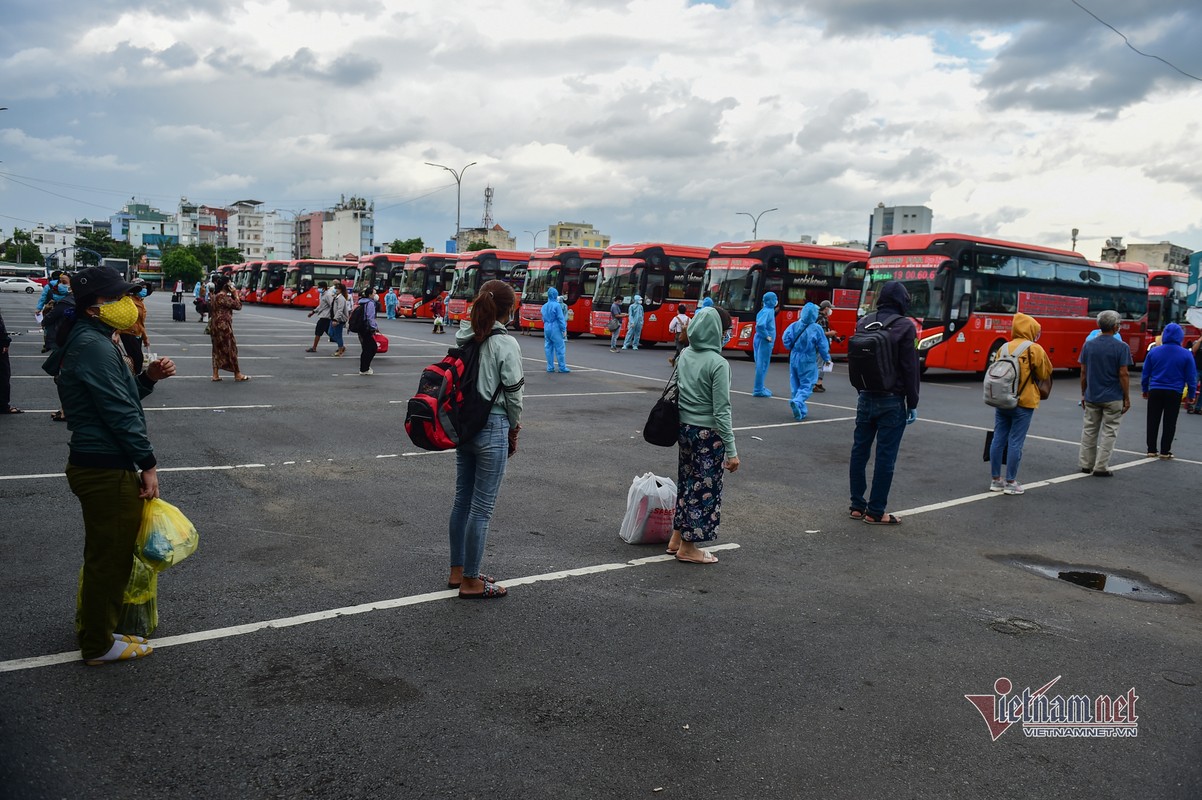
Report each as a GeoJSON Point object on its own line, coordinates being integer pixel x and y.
{"type": "Point", "coordinates": [663, 423]}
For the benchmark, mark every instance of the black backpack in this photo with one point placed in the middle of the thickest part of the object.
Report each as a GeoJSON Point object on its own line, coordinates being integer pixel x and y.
{"type": "Point", "coordinates": [448, 410]}
{"type": "Point", "coordinates": [358, 321]}
{"type": "Point", "coordinates": [872, 356]}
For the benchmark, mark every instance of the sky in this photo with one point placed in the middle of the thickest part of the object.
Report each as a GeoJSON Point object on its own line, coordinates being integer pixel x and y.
{"type": "Point", "coordinates": [653, 120]}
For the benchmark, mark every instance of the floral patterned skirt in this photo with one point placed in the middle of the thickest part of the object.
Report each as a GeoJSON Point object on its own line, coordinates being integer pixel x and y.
{"type": "Point", "coordinates": [699, 483]}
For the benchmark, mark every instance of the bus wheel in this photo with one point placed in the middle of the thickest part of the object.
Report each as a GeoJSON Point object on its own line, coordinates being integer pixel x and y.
{"type": "Point", "coordinates": [992, 352]}
{"type": "Point", "coordinates": [647, 344]}
{"type": "Point", "coordinates": [575, 334]}
{"type": "Point", "coordinates": [749, 355]}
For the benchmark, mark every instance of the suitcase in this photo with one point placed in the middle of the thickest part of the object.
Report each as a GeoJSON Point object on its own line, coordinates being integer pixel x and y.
{"type": "Point", "coordinates": [381, 342]}
{"type": "Point", "coordinates": [179, 312]}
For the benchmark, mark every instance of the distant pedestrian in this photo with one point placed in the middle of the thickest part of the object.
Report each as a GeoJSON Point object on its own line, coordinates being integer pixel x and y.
{"type": "Point", "coordinates": [6, 372]}
{"type": "Point", "coordinates": [135, 340]}
{"type": "Point", "coordinates": [679, 327]}
{"type": "Point", "coordinates": [763, 343]}
{"type": "Point", "coordinates": [807, 346]}
{"type": "Point", "coordinates": [825, 309]}
{"type": "Point", "coordinates": [224, 301]}
{"type": "Point", "coordinates": [555, 331]}
{"type": "Point", "coordinates": [201, 298]}
{"type": "Point", "coordinates": [706, 440]}
{"type": "Point", "coordinates": [112, 467]}
{"type": "Point", "coordinates": [439, 310]}
{"type": "Point", "coordinates": [367, 334]}
{"type": "Point", "coordinates": [340, 313]}
{"type": "Point", "coordinates": [615, 330]}
{"type": "Point", "coordinates": [1104, 394]}
{"type": "Point", "coordinates": [480, 463]}
{"type": "Point", "coordinates": [1010, 425]}
{"type": "Point", "coordinates": [1168, 373]}
{"type": "Point", "coordinates": [325, 315]}
{"type": "Point", "coordinates": [55, 291]}
{"type": "Point", "coordinates": [177, 294]}
{"type": "Point", "coordinates": [881, 414]}
{"type": "Point", "coordinates": [634, 328]}
{"type": "Point", "coordinates": [390, 301]}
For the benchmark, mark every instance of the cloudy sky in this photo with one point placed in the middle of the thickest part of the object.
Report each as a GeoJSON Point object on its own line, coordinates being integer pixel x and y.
{"type": "Point", "coordinates": [651, 119]}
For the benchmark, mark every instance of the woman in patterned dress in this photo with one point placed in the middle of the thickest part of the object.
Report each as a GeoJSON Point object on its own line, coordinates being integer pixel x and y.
{"type": "Point", "coordinates": [223, 302]}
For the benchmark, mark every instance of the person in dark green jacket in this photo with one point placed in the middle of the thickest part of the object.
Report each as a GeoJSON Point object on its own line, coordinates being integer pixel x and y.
{"type": "Point", "coordinates": [111, 467]}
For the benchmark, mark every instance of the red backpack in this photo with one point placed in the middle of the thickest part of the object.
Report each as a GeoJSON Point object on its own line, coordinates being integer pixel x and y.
{"type": "Point", "coordinates": [448, 409]}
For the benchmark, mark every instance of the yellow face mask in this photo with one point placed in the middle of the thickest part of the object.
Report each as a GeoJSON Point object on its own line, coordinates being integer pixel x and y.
{"type": "Point", "coordinates": [119, 314]}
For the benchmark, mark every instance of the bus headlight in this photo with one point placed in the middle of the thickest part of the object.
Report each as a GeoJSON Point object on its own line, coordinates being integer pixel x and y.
{"type": "Point", "coordinates": [745, 333]}
{"type": "Point", "coordinates": [927, 342]}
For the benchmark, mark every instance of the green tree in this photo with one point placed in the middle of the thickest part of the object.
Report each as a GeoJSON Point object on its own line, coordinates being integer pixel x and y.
{"type": "Point", "coordinates": [404, 246]}
{"type": "Point", "coordinates": [20, 249]}
{"type": "Point", "coordinates": [101, 242]}
{"type": "Point", "coordinates": [179, 264]}
{"type": "Point", "coordinates": [229, 255]}
{"type": "Point", "coordinates": [477, 244]}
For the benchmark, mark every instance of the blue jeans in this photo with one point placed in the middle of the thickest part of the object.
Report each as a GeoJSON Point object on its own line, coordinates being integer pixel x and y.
{"type": "Point", "coordinates": [335, 333]}
{"type": "Point", "coordinates": [1009, 431]}
{"type": "Point", "coordinates": [881, 417]}
{"type": "Point", "coordinates": [479, 468]}
{"type": "Point", "coordinates": [613, 338]}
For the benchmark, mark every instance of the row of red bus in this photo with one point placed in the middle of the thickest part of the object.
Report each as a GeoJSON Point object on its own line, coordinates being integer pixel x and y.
{"type": "Point", "coordinates": [964, 289]}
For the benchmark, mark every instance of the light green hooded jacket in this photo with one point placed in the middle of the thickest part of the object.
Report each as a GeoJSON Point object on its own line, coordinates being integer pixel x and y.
{"type": "Point", "coordinates": [703, 377]}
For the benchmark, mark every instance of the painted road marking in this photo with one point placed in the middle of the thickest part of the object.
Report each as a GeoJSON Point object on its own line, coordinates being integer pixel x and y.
{"type": "Point", "coordinates": [346, 611]}
{"type": "Point", "coordinates": [163, 408]}
{"type": "Point", "coordinates": [792, 424]}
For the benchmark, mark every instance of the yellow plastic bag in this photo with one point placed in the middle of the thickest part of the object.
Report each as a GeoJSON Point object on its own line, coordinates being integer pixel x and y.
{"type": "Point", "coordinates": [166, 536]}
{"type": "Point", "coordinates": [139, 609]}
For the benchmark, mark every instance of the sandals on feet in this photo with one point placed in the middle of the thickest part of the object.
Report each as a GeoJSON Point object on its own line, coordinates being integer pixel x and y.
{"type": "Point", "coordinates": [491, 592]}
{"type": "Point", "coordinates": [855, 513]}
{"type": "Point", "coordinates": [486, 578]}
{"type": "Point", "coordinates": [14, 410]}
{"type": "Point", "coordinates": [310, 349]}
{"type": "Point", "coordinates": [242, 379]}
{"type": "Point", "coordinates": [121, 651]}
{"type": "Point", "coordinates": [706, 558]}
{"type": "Point", "coordinates": [883, 519]}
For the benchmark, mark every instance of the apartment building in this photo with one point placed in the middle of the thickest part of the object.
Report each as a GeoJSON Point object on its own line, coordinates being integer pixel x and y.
{"type": "Point", "coordinates": [575, 234]}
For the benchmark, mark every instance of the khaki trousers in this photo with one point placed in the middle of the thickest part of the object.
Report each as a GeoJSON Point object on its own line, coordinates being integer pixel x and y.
{"type": "Point", "coordinates": [1099, 433]}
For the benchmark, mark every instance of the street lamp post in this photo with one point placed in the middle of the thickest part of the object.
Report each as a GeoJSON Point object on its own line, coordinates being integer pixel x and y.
{"type": "Point", "coordinates": [755, 219]}
{"type": "Point", "coordinates": [458, 191]}
{"type": "Point", "coordinates": [534, 238]}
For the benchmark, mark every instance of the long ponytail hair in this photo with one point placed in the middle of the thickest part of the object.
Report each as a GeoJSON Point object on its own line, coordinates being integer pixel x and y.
{"type": "Point", "coordinates": [493, 304]}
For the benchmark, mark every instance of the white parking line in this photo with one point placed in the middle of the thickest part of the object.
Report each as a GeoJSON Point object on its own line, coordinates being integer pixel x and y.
{"type": "Point", "coordinates": [346, 611]}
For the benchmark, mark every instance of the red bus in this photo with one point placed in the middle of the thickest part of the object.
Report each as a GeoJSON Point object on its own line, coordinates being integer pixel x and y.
{"type": "Point", "coordinates": [245, 278]}
{"type": "Point", "coordinates": [571, 271]}
{"type": "Point", "coordinates": [665, 275]}
{"type": "Point", "coordinates": [964, 291]}
{"type": "Point", "coordinates": [428, 277]}
{"type": "Point", "coordinates": [300, 285]}
{"type": "Point", "coordinates": [270, 291]}
{"type": "Point", "coordinates": [740, 273]}
{"type": "Point", "coordinates": [383, 271]}
{"type": "Point", "coordinates": [1168, 300]}
{"type": "Point", "coordinates": [473, 270]}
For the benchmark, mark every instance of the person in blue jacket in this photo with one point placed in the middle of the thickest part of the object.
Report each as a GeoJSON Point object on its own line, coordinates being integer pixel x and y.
{"type": "Point", "coordinates": [54, 292]}
{"type": "Point", "coordinates": [1168, 372]}
{"type": "Point", "coordinates": [806, 342]}
{"type": "Point", "coordinates": [555, 328]}
{"type": "Point", "coordinates": [634, 327]}
{"type": "Point", "coordinates": [765, 340]}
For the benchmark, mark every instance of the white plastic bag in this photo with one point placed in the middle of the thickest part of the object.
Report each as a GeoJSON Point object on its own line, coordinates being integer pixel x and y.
{"type": "Point", "coordinates": [650, 506]}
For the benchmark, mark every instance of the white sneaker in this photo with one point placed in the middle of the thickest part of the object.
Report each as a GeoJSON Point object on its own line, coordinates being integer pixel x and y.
{"type": "Point", "coordinates": [366, 371]}
{"type": "Point", "coordinates": [1013, 487]}
{"type": "Point", "coordinates": [996, 484]}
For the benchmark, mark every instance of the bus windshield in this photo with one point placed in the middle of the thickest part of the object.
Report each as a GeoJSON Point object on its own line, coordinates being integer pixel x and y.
{"type": "Point", "coordinates": [737, 281]}
{"type": "Point", "coordinates": [414, 281]}
{"type": "Point", "coordinates": [616, 282]}
{"type": "Point", "coordinates": [465, 284]}
{"type": "Point", "coordinates": [541, 276]}
{"type": "Point", "coordinates": [293, 280]}
{"type": "Point", "coordinates": [922, 281]}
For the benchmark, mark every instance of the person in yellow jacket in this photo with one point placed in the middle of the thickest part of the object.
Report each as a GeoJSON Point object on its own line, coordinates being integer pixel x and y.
{"type": "Point", "coordinates": [1010, 425]}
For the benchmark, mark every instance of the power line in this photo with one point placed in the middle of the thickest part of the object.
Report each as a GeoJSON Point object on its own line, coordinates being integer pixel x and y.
{"type": "Point", "coordinates": [1133, 47]}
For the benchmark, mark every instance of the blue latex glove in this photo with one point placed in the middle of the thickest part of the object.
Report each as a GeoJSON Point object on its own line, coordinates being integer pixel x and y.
{"type": "Point", "coordinates": [913, 415]}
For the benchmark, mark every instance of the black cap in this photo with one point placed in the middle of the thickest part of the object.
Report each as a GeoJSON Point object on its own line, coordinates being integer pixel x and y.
{"type": "Point", "coordinates": [100, 282]}
{"type": "Point", "coordinates": [826, 304]}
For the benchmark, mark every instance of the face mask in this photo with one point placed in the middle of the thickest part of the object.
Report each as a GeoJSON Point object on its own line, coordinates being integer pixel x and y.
{"type": "Point", "coordinates": [142, 293]}
{"type": "Point", "coordinates": [120, 314]}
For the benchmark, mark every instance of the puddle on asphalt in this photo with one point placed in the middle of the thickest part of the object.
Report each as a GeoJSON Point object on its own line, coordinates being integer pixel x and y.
{"type": "Point", "coordinates": [1097, 579]}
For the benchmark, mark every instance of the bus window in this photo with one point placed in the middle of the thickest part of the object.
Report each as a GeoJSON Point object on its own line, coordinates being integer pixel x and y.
{"type": "Point", "coordinates": [1037, 269]}
{"type": "Point", "coordinates": [997, 264]}
{"type": "Point", "coordinates": [737, 293]}
{"type": "Point", "coordinates": [853, 275]}
{"type": "Point", "coordinates": [657, 282]}
{"type": "Point", "coordinates": [588, 279]}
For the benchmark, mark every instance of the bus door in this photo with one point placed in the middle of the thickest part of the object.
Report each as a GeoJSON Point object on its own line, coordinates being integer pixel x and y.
{"type": "Point", "coordinates": [584, 285]}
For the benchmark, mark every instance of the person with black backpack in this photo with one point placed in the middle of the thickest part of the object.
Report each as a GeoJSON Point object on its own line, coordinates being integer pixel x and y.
{"type": "Point", "coordinates": [363, 323]}
{"type": "Point", "coordinates": [480, 462]}
{"type": "Point", "coordinates": [883, 366]}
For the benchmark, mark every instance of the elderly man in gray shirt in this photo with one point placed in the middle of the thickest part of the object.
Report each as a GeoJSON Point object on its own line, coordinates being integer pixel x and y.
{"type": "Point", "coordinates": [1104, 394]}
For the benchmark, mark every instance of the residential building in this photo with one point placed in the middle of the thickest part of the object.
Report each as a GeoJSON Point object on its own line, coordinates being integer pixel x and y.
{"type": "Point", "coordinates": [244, 228]}
{"type": "Point", "coordinates": [153, 235]}
{"type": "Point", "coordinates": [1162, 255]}
{"type": "Point", "coordinates": [54, 238]}
{"type": "Point", "coordinates": [886, 220]}
{"type": "Point", "coordinates": [349, 229]}
{"type": "Point", "coordinates": [279, 237]}
{"type": "Point", "coordinates": [497, 237]}
{"type": "Point", "coordinates": [308, 234]}
{"type": "Point", "coordinates": [575, 234]}
{"type": "Point", "coordinates": [140, 212]}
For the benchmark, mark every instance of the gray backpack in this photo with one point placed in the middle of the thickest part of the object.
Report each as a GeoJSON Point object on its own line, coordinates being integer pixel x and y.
{"type": "Point", "coordinates": [1002, 376]}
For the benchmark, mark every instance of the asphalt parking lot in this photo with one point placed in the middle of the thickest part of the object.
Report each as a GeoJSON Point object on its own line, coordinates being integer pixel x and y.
{"type": "Point", "coordinates": [311, 649]}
